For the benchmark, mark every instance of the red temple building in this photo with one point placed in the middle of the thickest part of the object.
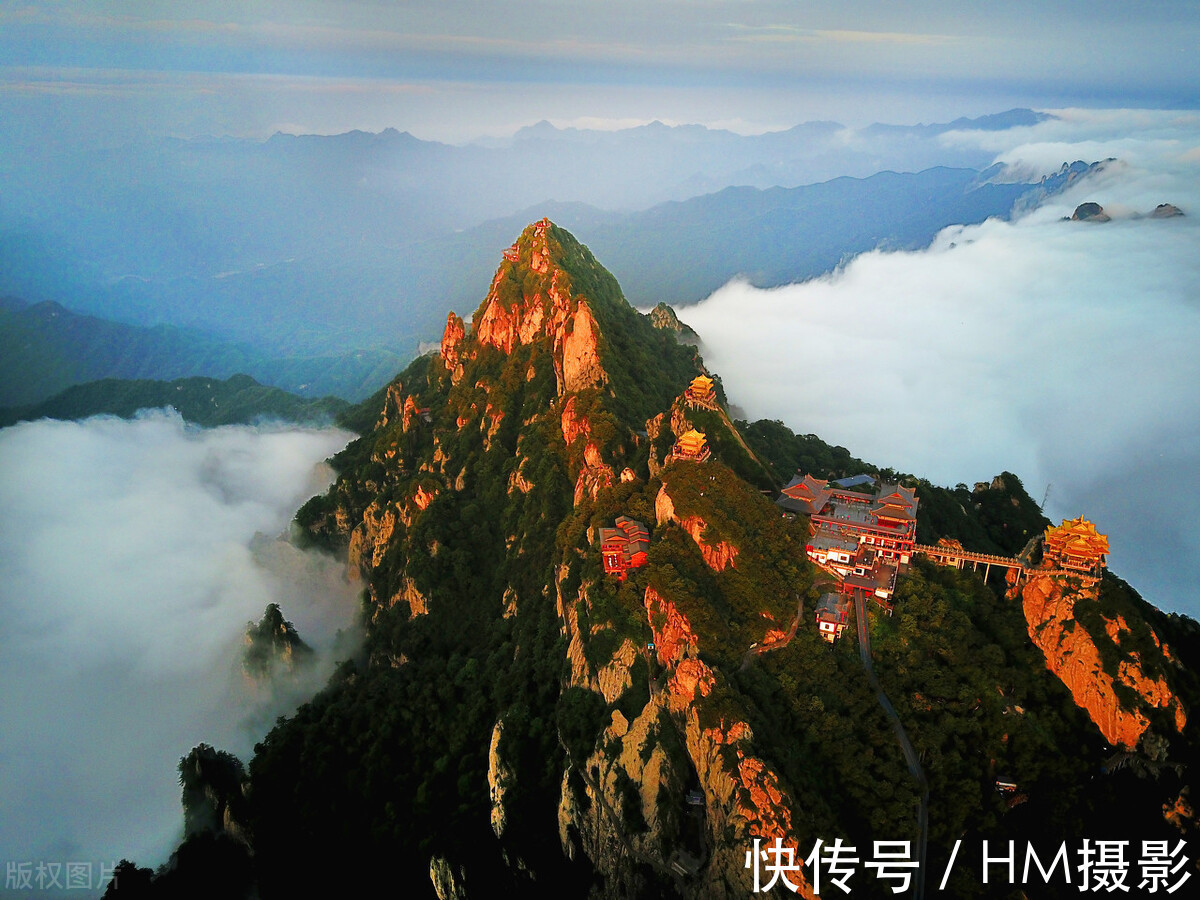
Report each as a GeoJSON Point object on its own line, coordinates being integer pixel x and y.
{"type": "Point", "coordinates": [832, 612]}
{"type": "Point", "coordinates": [885, 522]}
{"type": "Point", "coordinates": [624, 547]}
{"type": "Point", "coordinates": [700, 393]}
{"type": "Point", "coordinates": [1075, 545]}
{"type": "Point", "coordinates": [806, 495]}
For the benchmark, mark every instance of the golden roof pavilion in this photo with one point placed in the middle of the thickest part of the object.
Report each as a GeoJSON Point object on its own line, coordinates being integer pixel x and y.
{"type": "Point", "coordinates": [1075, 545]}
{"type": "Point", "coordinates": [691, 445]}
{"type": "Point", "coordinates": [700, 393]}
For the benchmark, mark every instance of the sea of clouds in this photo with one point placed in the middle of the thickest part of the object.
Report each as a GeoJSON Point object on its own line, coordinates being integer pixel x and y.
{"type": "Point", "coordinates": [132, 555]}
{"type": "Point", "coordinates": [1065, 352]}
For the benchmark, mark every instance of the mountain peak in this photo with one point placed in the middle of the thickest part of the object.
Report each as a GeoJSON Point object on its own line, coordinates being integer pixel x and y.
{"type": "Point", "coordinates": [531, 301]}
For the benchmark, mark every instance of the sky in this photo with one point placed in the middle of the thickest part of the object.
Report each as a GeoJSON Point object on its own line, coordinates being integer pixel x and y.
{"type": "Point", "coordinates": [132, 556]}
{"type": "Point", "coordinates": [1062, 351]}
{"type": "Point", "coordinates": [111, 71]}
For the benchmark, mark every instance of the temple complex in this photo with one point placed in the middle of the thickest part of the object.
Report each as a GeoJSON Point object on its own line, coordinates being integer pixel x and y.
{"type": "Point", "coordinates": [864, 539]}
{"type": "Point", "coordinates": [868, 540]}
{"type": "Point", "coordinates": [624, 547]}
{"type": "Point", "coordinates": [691, 446]}
{"type": "Point", "coordinates": [700, 394]}
{"type": "Point", "coordinates": [1075, 545]}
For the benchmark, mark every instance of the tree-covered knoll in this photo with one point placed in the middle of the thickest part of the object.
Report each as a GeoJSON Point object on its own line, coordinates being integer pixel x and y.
{"type": "Point", "coordinates": [785, 452]}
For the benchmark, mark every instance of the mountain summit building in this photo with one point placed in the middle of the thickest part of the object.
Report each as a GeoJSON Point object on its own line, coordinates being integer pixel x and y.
{"type": "Point", "coordinates": [1077, 546]}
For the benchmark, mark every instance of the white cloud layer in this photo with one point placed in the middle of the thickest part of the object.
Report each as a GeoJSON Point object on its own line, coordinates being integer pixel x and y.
{"type": "Point", "coordinates": [132, 555]}
{"type": "Point", "coordinates": [1065, 352]}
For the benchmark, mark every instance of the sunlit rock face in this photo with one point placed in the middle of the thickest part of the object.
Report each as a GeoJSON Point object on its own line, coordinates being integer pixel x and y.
{"type": "Point", "coordinates": [1074, 656]}
{"type": "Point", "coordinates": [718, 555]}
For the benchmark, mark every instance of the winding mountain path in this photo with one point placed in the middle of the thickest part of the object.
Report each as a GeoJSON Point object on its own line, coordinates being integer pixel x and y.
{"type": "Point", "coordinates": [910, 753]}
{"type": "Point", "coordinates": [774, 645]}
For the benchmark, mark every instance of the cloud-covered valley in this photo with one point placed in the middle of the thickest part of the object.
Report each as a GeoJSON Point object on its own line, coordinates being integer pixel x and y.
{"type": "Point", "coordinates": [132, 555]}
{"type": "Point", "coordinates": [1063, 351]}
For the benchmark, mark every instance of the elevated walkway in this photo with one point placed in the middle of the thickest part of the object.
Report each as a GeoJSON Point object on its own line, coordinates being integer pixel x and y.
{"type": "Point", "coordinates": [958, 557]}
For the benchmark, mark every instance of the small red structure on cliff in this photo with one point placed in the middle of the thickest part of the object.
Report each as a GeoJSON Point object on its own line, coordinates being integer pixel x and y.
{"type": "Point", "coordinates": [832, 612]}
{"type": "Point", "coordinates": [624, 547]}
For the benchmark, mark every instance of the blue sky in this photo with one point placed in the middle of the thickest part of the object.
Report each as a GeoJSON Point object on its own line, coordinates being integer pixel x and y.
{"type": "Point", "coordinates": [455, 70]}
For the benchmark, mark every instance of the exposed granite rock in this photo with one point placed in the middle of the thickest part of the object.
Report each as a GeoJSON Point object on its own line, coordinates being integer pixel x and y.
{"type": "Point", "coordinates": [1073, 656]}
{"type": "Point", "coordinates": [449, 880]}
{"type": "Point", "coordinates": [451, 338]}
{"type": "Point", "coordinates": [500, 780]}
{"type": "Point", "coordinates": [580, 355]}
{"type": "Point", "coordinates": [663, 317]}
{"type": "Point", "coordinates": [718, 555]}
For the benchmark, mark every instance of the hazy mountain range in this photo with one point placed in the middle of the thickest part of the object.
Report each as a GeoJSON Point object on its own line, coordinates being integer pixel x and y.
{"type": "Point", "coordinates": [318, 264]}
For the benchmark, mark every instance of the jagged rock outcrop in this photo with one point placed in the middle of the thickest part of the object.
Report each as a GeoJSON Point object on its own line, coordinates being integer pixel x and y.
{"type": "Point", "coordinates": [1166, 211]}
{"type": "Point", "coordinates": [592, 479]}
{"type": "Point", "coordinates": [628, 788]}
{"type": "Point", "coordinates": [451, 338]}
{"type": "Point", "coordinates": [273, 646]}
{"type": "Point", "coordinates": [664, 318]}
{"type": "Point", "coordinates": [1074, 657]}
{"type": "Point", "coordinates": [449, 881]}
{"type": "Point", "coordinates": [510, 318]}
{"type": "Point", "coordinates": [517, 480]}
{"type": "Point", "coordinates": [369, 540]}
{"type": "Point", "coordinates": [580, 357]}
{"type": "Point", "coordinates": [1090, 212]}
{"type": "Point", "coordinates": [622, 805]}
{"type": "Point", "coordinates": [742, 792]}
{"type": "Point", "coordinates": [214, 793]}
{"type": "Point", "coordinates": [418, 603]}
{"type": "Point", "coordinates": [392, 405]}
{"type": "Point", "coordinates": [422, 498]}
{"type": "Point", "coordinates": [500, 779]}
{"type": "Point", "coordinates": [573, 425]}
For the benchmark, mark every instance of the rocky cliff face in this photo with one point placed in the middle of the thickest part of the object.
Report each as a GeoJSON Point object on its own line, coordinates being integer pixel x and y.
{"type": "Point", "coordinates": [718, 555]}
{"type": "Point", "coordinates": [1075, 657]}
{"type": "Point", "coordinates": [621, 807]}
{"type": "Point", "coordinates": [273, 648]}
{"type": "Point", "coordinates": [664, 317]}
{"type": "Point", "coordinates": [542, 305]}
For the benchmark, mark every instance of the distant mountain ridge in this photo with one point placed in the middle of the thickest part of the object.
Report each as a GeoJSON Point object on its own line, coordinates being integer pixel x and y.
{"type": "Point", "coordinates": [45, 348]}
{"type": "Point", "coordinates": [681, 252]}
{"type": "Point", "coordinates": [319, 264]}
{"type": "Point", "coordinates": [209, 402]}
